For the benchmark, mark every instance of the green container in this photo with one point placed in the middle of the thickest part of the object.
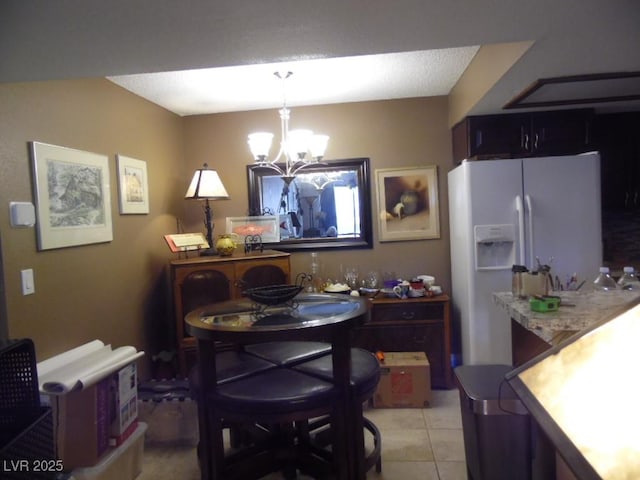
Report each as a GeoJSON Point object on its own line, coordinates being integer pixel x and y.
{"type": "Point", "coordinates": [544, 304]}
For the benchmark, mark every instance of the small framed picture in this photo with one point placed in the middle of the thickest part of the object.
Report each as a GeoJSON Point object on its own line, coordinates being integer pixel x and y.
{"type": "Point", "coordinates": [408, 203]}
{"type": "Point", "coordinates": [133, 186]}
{"type": "Point", "coordinates": [265, 225]}
{"type": "Point", "coordinates": [73, 200]}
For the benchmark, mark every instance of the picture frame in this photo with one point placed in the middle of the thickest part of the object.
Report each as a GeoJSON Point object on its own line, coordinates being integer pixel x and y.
{"type": "Point", "coordinates": [73, 196]}
{"type": "Point", "coordinates": [133, 186]}
{"type": "Point", "coordinates": [264, 225]}
{"type": "Point", "coordinates": [185, 242]}
{"type": "Point", "coordinates": [408, 207]}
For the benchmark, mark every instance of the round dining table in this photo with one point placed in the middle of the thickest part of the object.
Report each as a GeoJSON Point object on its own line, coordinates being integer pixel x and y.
{"type": "Point", "coordinates": [308, 317]}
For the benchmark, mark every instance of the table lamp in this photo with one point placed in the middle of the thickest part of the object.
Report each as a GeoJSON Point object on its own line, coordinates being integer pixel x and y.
{"type": "Point", "coordinates": [206, 185]}
{"type": "Point", "coordinates": [584, 393]}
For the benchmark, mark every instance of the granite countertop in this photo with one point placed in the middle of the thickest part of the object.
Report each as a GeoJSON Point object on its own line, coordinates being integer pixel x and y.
{"type": "Point", "coordinates": [588, 308]}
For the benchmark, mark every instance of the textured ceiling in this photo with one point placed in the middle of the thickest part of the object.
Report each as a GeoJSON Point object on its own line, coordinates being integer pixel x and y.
{"type": "Point", "coordinates": [313, 82]}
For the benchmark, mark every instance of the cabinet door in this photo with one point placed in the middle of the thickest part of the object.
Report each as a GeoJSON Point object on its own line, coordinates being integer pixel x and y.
{"type": "Point", "coordinates": [413, 337]}
{"type": "Point", "coordinates": [195, 286]}
{"type": "Point", "coordinates": [560, 133]}
{"type": "Point", "coordinates": [498, 136]}
{"type": "Point", "coordinates": [261, 274]}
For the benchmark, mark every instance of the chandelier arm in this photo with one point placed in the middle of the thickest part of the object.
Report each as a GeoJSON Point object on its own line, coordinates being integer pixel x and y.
{"type": "Point", "coordinates": [271, 166]}
{"type": "Point", "coordinates": [305, 164]}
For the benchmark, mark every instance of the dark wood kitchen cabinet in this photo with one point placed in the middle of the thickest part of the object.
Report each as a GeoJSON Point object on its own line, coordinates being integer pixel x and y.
{"type": "Point", "coordinates": [202, 280]}
{"type": "Point", "coordinates": [412, 325]}
{"type": "Point", "coordinates": [561, 132]}
{"type": "Point", "coordinates": [617, 140]}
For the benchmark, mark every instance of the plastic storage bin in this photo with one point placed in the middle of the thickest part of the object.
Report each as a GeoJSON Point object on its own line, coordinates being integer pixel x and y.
{"type": "Point", "coordinates": [496, 426]}
{"type": "Point", "coordinates": [26, 428]}
{"type": "Point", "coordinates": [121, 463]}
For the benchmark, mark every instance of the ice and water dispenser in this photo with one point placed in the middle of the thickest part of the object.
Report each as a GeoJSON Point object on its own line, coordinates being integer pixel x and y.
{"type": "Point", "coordinates": [495, 246]}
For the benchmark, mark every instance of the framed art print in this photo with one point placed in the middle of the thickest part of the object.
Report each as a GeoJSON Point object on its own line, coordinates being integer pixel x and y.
{"type": "Point", "coordinates": [133, 188]}
{"type": "Point", "coordinates": [73, 201]}
{"type": "Point", "coordinates": [266, 226]}
{"type": "Point", "coordinates": [408, 203]}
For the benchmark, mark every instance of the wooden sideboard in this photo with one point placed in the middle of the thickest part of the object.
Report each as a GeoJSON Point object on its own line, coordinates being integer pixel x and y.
{"type": "Point", "coordinates": [412, 325]}
{"type": "Point", "coordinates": [199, 281]}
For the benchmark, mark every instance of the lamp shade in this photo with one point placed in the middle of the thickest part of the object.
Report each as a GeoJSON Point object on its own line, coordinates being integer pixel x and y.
{"type": "Point", "coordinates": [206, 184]}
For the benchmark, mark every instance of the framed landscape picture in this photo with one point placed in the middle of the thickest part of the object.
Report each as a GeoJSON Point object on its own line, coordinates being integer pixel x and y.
{"type": "Point", "coordinates": [73, 200]}
{"type": "Point", "coordinates": [133, 186]}
{"type": "Point", "coordinates": [408, 203]}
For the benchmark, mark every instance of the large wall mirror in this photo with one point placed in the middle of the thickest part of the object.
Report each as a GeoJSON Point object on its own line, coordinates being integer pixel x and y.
{"type": "Point", "coordinates": [327, 205]}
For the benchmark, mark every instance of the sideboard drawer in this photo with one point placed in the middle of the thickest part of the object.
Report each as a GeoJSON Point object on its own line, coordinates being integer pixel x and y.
{"type": "Point", "coordinates": [418, 337]}
{"type": "Point", "coordinates": [412, 325]}
{"type": "Point", "coordinates": [407, 312]}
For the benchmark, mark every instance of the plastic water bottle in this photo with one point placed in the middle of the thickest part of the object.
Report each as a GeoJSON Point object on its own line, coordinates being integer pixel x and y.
{"type": "Point", "coordinates": [629, 280]}
{"type": "Point", "coordinates": [604, 282]}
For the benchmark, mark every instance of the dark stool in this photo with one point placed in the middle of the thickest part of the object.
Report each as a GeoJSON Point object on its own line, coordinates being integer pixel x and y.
{"type": "Point", "coordinates": [231, 366]}
{"type": "Point", "coordinates": [365, 375]}
{"type": "Point", "coordinates": [288, 353]}
{"type": "Point", "coordinates": [277, 398]}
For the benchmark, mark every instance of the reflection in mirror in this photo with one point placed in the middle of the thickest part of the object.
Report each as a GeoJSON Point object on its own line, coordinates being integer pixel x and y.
{"type": "Point", "coordinates": [325, 206]}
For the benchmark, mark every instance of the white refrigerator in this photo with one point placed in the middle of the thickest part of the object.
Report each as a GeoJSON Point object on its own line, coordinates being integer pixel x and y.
{"type": "Point", "coordinates": [506, 212]}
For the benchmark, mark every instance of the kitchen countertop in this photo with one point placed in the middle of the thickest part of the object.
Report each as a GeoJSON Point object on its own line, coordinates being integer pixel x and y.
{"type": "Point", "coordinates": [553, 327]}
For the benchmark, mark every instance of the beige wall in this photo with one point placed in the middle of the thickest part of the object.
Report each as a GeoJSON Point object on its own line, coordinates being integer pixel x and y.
{"type": "Point", "coordinates": [487, 67]}
{"type": "Point", "coordinates": [112, 291]}
{"type": "Point", "coordinates": [117, 291]}
{"type": "Point", "coordinates": [392, 133]}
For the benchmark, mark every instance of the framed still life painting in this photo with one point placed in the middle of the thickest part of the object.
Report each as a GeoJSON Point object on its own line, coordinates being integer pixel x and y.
{"type": "Point", "coordinates": [408, 203]}
{"type": "Point", "coordinates": [73, 200]}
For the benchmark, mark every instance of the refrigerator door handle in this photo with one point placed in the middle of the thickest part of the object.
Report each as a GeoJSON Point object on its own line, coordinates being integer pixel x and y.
{"type": "Point", "coordinates": [529, 206]}
{"type": "Point", "coordinates": [520, 211]}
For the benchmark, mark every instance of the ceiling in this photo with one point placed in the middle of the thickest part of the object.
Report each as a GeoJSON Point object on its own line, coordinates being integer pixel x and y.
{"type": "Point", "coordinates": [354, 49]}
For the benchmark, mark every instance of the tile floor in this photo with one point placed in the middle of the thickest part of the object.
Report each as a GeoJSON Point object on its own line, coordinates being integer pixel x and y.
{"type": "Point", "coordinates": [417, 444]}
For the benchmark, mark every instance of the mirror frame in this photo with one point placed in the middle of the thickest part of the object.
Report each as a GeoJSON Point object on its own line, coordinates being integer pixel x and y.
{"type": "Point", "coordinates": [255, 174]}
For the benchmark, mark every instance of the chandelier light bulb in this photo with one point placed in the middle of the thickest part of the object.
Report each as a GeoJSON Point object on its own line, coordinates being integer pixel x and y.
{"type": "Point", "coordinates": [260, 144]}
{"type": "Point", "coordinates": [294, 144]}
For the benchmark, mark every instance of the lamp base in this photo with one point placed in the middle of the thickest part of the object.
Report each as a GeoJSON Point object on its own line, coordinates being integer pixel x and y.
{"type": "Point", "coordinates": [209, 252]}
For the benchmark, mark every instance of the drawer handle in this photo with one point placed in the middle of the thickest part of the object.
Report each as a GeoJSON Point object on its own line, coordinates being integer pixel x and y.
{"type": "Point", "coordinates": [408, 315]}
{"type": "Point", "coordinates": [419, 339]}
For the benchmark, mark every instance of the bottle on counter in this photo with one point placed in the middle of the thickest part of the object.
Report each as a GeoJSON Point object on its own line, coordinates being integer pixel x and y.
{"type": "Point", "coordinates": [316, 274]}
{"type": "Point", "coordinates": [517, 288]}
{"type": "Point", "coordinates": [603, 281]}
{"type": "Point", "coordinates": [629, 280]}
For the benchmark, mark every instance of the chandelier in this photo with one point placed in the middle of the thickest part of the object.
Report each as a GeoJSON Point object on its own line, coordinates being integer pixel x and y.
{"type": "Point", "coordinates": [298, 148]}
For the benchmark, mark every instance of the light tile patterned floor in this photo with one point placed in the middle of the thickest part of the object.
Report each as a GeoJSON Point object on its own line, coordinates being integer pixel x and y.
{"type": "Point", "coordinates": [417, 444]}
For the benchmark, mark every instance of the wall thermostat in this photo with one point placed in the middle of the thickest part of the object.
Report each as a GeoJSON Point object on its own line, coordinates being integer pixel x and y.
{"type": "Point", "coordinates": [22, 214]}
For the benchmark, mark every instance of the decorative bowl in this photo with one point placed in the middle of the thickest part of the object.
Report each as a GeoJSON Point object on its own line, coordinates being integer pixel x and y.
{"type": "Point", "coordinates": [427, 280]}
{"type": "Point", "coordinates": [337, 288]}
{"type": "Point", "coordinates": [273, 294]}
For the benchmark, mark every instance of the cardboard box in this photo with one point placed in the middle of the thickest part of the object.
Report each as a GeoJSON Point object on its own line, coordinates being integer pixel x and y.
{"type": "Point", "coordinates": [82, 424]}
{"type": "Point", "coordinates": [124, 387]}
{"type": "Point", "coordinates": [120, 463]}
{"type": "Point", "coordinates": [88, 421]}
{"type": "Point", "coordinates": [405, 381]}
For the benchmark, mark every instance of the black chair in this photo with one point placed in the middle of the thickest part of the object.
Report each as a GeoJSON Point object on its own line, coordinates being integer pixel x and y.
{"type": "Point", "coordinates": [230, 366]}
{"type": "Point", "coordinates": [365, 375]}
{"type": "Point", "coordinates": [276, 400]}
{"type": "Point", "coordinates": [288, 353]}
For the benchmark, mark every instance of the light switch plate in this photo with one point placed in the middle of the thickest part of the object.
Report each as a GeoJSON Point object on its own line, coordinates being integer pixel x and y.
{"type": "Point", "coordinates": [28, 287]}
{"type": "Point", "coordinates": [23, 214]}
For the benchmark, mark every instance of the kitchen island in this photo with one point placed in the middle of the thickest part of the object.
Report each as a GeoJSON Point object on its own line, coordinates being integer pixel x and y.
{"type": "Point", "coordinates": [534, 332]}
